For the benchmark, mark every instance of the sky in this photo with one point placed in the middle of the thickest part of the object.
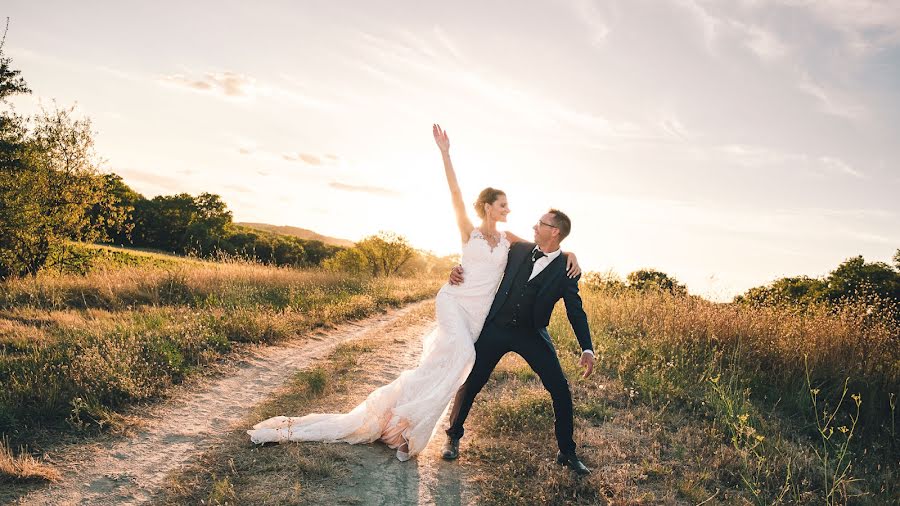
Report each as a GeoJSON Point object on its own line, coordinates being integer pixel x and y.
{"type": "Point", "coordinates": [726, 143]}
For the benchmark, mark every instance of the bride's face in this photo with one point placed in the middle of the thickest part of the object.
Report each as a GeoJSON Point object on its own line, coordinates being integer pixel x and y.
{"type": "Point", "coordinates": [498, 210]}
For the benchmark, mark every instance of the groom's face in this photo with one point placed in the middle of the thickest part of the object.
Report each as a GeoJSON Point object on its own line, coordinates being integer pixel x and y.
{"type": "Point", "coordinates": [544, 229]}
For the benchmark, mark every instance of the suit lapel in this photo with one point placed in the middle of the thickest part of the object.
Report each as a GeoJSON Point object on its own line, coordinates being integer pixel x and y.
{"type": "Point", "coordinates": [551, 272]}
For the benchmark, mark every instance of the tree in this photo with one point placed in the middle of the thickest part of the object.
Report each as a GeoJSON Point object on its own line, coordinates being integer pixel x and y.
{"type": "Point", "coordinates": [11, 81]}
{"type": "Point", "coordinates": [113, 215]}
{"type": "Point", "coordinates": [350, 260]}
{"type": "Point", "coordinates": [49, 183]}
{"type": "Point", "coordinates": [46, 193]}
{"type": "Point", "coordinates": [183, 224]}
{"type": "Point", "coordinates": [800, 290]}
{"type": "Point", "coordinates": [386, 252]}
{"type": "Point", "coordinates": [650, 279]}
{"type": "Point", "coordinates": [854, 277]}
{"type": "Point", "coordinates": [383, 254]}
{"type": "Point", "coordinates": [603, 281]}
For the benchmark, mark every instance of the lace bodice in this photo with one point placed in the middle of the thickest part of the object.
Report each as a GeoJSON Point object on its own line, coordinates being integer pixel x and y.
{"type": "Point", "coordinates": [483, 266]}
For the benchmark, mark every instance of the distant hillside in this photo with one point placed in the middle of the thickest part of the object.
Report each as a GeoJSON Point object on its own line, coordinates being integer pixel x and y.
{"type": "Point", "coordinates": [302, 233]}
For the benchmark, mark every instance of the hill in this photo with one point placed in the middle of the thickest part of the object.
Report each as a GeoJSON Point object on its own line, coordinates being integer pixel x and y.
{"type": "Point", "coordinates": [301, 233]}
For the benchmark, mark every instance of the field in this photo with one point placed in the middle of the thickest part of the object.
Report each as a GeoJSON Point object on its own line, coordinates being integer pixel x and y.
{"type": "Point", "coordinates": [77, 350]}
{"type": "Point", "coordinates": [698, 401]}
{"type": "Point", "coordinates": [692, 401]}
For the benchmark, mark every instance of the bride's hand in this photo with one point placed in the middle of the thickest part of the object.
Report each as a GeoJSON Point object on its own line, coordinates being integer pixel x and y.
{"type": "Point", "coordinates": [441, 138]}
{"type": "Point", "coordinates": [572, 267]}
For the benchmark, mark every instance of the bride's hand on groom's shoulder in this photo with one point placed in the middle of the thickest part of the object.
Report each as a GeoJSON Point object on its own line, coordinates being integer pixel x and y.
{"type": "Point", "coordinates": [573, 270]}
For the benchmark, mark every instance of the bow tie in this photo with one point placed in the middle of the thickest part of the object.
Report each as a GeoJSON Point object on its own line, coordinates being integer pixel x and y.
{"type": "Point", "coordinates": [537, 254]}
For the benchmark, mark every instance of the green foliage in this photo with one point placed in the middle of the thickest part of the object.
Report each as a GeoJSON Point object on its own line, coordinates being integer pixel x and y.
{"type": "Point", "coordinates": [800, 290]}
{"type": "Point", "coordinates": [650, 279]}
{"type": "Point", "coordinates": [383, 254]}
{"type": "Point", "coordinates": [640, 280]}
{"type": "Point", "coordinates": [350, 260]}
{"type": "Point", "coordinates": [46, 193]}
{"type": "Point", "coordinates": [11, 81]}
{"type": "Point", "coordinates": [50, 189]}
{"type": "Point", "coordinates": [876, 283]}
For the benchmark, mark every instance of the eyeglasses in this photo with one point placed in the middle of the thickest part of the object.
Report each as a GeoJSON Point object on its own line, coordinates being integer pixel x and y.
{"type": "Point", "coordinates": [541, 222]}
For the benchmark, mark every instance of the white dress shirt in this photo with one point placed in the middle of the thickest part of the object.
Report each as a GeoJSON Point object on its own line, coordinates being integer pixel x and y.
{"type": "Point", "coordinates": [542, 264]}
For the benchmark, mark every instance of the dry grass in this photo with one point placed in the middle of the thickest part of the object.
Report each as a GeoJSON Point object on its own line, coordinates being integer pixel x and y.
{"type": "Point", "coordinates": [689, 386]}
{"type": "Point", "coordinates": [23, 468]}
{"type": "Point", "coordinates": [75, 351]}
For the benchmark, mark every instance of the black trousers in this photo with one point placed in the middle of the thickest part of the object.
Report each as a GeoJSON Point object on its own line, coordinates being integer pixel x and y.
{"type": "Point", "coordinates": [494, 342]}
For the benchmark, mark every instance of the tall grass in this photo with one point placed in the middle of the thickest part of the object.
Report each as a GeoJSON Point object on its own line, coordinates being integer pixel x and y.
{"type": "Point", "coordinates": [764, 376]}
{"type": "Point", "coordinates": [75, 350]}
{"type": "Point", "coordinates": [670, 345]}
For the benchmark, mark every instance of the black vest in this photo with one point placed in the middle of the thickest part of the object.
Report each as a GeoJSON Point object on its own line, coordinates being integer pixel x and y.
{"type": "Point", "coordinates": [518, 310]}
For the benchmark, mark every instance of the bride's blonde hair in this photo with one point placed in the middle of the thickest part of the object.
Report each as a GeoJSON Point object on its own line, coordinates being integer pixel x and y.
{"type": "Point", "coordinates": [487, 196]}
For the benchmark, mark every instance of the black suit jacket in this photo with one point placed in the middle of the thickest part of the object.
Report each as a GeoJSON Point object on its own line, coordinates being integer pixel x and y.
{"type": "Point", "coordinates": [557, 285]}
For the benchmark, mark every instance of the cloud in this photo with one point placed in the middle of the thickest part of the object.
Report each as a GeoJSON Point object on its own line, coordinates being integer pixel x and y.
{"type": "Point", "coordinates": [597, 22]}
{"type": "Point", "coordinates": [671, 126]}
{"type": "Point", "coordinates": [374, 190]}
{"type": "Point", "coordinates": [302, 157]}
{"type": "Point", "coordinates": [866, 24]}
{"type": "Point", "coordinates": [709, 24]}
{"type": "Point", "coordinates": [448, 43]}
{"type": "Point", "coordinates": [764, 43]}
{"type": "Point", "coordinates": [237, 86]}
{"type": "Point", "coordinates": [831, 101]}
{"type": "Point", "coordinates": [837, 165]}
{"type": "Point", "coordinates": [228, 84]}
{"type": "Point", "coordinates": [757, 156]}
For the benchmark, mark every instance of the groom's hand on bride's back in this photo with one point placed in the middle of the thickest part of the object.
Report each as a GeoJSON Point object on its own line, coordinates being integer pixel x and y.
{"type": "Point", "coordinates": [456, 275]}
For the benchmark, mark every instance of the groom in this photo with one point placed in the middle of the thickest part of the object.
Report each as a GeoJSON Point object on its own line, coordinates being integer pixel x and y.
{"type": "Point", "coordinates": [535, 279]}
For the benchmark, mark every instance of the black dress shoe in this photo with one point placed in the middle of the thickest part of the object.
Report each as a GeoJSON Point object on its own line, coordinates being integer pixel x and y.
{"type": "Point", "coordinates": [571, 460]}
{"type": "Point", "coordinates": [451, 449]}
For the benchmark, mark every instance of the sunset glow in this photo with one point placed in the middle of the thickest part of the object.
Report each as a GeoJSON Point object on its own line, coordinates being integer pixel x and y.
{"type": "Point", "coordinates": [725, 143]}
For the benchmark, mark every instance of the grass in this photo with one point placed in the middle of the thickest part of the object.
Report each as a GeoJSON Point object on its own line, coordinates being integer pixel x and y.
{"type": "Point", "coordinates": [78, 350]}
{"type": "Point", "coordinates": [23, 468]}
{"type": "Point", "coordinates": [697, 400]}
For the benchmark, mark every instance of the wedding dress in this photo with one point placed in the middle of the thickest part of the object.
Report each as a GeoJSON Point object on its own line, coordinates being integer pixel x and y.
{"type": "Point", "coordinates": [405, 412]}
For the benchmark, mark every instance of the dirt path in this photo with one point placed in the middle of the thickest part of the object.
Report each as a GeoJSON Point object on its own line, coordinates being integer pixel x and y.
{"type": "Point", "coordinates": [378, 478]}
{"type": "Point", "coordinates": [131, 470]}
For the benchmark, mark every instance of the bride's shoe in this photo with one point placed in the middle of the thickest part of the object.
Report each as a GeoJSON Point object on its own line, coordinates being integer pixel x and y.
{"type": "Point", "coordinates": [403, 450]}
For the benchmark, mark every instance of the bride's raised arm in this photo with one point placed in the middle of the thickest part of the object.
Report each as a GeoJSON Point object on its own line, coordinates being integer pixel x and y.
{"type": "Point", "coordinates": [572, 267]}
{"type": "Point", "coordinates": [462, 219]}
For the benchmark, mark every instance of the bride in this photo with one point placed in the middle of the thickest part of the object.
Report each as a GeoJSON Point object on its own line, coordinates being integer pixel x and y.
{"type": "Point", "coordinates": [403, 414]}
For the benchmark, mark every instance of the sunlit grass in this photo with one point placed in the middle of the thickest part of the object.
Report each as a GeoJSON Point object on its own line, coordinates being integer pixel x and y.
{"type": "Point", "coordinates": [76, 350]}
{"type": "Point", "coordinates": [701, 401]}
